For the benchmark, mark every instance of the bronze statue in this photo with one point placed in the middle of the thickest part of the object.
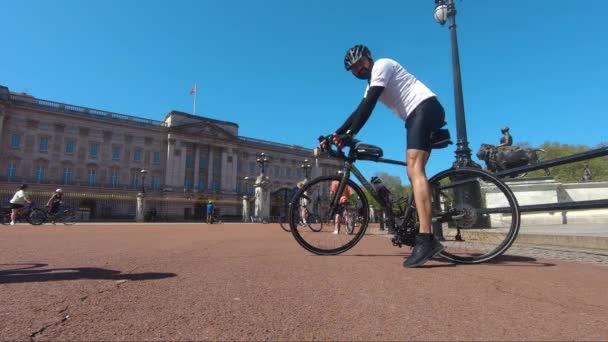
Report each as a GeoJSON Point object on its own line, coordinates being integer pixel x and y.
{"type": "Point", "coordinates": [507, 139]}
{"type": "Point", "coordinates": [587, 175]}
{"type": "Point", "coordinates": [505, 156]}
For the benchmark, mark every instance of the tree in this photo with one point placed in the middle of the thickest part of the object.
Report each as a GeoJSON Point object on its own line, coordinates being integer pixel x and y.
{"type": "Point", "coordinates": [393, 184]}
{"type": "Point", "coordinates": [574, 171]}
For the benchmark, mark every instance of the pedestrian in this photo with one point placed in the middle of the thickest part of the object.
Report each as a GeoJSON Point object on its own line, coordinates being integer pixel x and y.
{"type": "Point", "coordinates": [210, 212]}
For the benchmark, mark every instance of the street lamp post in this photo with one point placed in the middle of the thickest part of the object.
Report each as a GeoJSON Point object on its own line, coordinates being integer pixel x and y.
{"type": "Point", "coordinates": [306, 167]}
{"type": "Point", "coordinates": [262, 160]}
{"type": "Point", "coordinates": [143, 180]}
{"type": "Point", "coordinates": [445, 10]}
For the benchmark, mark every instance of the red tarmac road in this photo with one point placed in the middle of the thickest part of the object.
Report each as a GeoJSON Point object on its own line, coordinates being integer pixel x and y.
{"type": "Point", "coordinates": [253, 282]}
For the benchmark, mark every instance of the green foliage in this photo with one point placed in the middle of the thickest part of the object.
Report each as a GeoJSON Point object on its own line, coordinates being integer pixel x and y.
{"type": "Point", "coordinates": [572, 172]}
{"type": "Point", "coordinates": [393, 183]}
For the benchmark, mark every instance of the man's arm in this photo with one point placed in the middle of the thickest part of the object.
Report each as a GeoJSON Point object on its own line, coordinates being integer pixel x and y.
{"type": "Point", "coordinates": [359, 117]}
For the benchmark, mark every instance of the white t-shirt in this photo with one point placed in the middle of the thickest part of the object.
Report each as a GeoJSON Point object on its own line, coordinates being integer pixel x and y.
{"type": "Point", "coordinates": [402, 91]}
{"type": "Point", "coordinates": [19, 197]}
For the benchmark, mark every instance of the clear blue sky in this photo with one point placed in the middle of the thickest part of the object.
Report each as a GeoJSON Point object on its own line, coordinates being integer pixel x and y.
{"type": "Point", "coordinates": [275, 67]}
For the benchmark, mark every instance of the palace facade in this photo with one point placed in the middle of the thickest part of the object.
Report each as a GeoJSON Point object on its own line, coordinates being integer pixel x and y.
{"type": "Point", "coordinates": [96, 153]}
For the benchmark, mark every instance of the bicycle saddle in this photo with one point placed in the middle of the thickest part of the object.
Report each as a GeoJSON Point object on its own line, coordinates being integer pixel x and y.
{"type": "Point", "coordinates": [440, 138]}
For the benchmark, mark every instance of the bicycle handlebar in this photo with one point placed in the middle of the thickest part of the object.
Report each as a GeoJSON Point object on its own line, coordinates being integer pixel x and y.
{"type": "Point", "coordinates": [330, 151]}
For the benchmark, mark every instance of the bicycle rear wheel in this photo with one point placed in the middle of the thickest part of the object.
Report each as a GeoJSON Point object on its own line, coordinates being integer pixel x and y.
{"type": "Point", "coordinates": [5, 216]}
{"type": "Point", "coordinates": [475, 215]}
{"type": "Point", "coordinates": [67, 216]}
{"type": "Point", "coordinates": [319, 237]}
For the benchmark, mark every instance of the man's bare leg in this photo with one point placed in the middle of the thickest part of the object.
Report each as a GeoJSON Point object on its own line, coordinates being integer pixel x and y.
{"type": "Point", "coordinates": [426, 245]}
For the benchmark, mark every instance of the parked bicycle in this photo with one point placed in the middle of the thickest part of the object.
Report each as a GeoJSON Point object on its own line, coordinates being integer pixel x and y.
{"type": "Point", "coordinates": [29, 213]}
{"type": "Point", "coordinates": [475, 215]}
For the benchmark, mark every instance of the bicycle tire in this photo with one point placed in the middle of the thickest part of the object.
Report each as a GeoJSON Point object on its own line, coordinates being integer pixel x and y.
{"type": "Point", "coordinates": [313, 222]}
{"type": "Point", "coordinates": [321, 241]}
{"type": "Point", "coordinates": [476, 218]}
{"type": "Point", "coordinates": [284, 223]}
{"type": "Point", "coordinates": [68, 216]}
{"type": "Point", "coordinates": [36, 217]}
{"type": "Point", "coordinates": [5, 217]}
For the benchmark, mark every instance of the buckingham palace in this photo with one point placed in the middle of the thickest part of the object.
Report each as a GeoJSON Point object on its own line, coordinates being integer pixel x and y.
{"type": "Point", "coordinates": [102, 160]}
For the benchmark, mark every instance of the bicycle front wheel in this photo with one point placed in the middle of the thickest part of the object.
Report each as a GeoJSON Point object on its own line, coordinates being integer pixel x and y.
{"type": "Point", "coordinates": [36, 217]}
{"type": "Point", "coordinates": [284, 223]}
{"type": "Point", "coordinates": [322, 235]}
{"type": "Point", "coordinates": [475, 215]}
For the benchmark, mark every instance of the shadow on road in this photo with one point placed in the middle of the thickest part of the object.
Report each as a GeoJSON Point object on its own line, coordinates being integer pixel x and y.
{"type": "Point", "coordinates": [503, 260]}
{"type": "Point", "coordinates": [26, 274]}
{"type": "Point", "coordinates": [517, 260]}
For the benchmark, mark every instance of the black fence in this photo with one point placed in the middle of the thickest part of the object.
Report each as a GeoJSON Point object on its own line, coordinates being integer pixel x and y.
{"type": "Point", "coordinates": [122, 207]}
{"type": "Point", "coordinates": [578, 205]}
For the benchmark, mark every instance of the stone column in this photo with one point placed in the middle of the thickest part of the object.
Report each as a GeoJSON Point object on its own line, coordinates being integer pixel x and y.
{"type": "Point", "coordinates": [224, 174]}
{"type": "Point", "coordinates": [182, 171]}
{"type": "Point", "coordinates": [210, 169]}
{"type": "Point", "coordinates": [235, 161]}
{"type": "Point", "coordinates": [197, 161]}
{"type": "Point", "coordinates": [245, 211]}
{"type": "Point", "coordinates": [372, 214]}
{"type": "Point", "coordinates": [170, 163]}
{"type": "Point", "coordinates": [141, 207]}
{"type": "Point", "coordinates": [2, 127]}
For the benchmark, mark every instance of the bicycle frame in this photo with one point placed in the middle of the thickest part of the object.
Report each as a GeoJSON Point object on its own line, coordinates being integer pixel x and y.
{"type": "Point", "coordinates": [349, 168]}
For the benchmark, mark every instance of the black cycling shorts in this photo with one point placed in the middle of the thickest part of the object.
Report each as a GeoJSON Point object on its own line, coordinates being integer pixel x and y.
{"type": "Point", "coordinates": [17, 206]}
{"type": "Point", "coordinates": [428, 117]}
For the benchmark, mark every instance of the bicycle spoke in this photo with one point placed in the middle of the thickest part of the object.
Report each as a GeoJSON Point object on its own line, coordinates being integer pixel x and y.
{"type": "Point", "coordinates": [475, 215]}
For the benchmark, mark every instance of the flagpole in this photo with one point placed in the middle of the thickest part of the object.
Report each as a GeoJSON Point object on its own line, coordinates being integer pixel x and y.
{"type": "Point", "coordinates": [195, 95]}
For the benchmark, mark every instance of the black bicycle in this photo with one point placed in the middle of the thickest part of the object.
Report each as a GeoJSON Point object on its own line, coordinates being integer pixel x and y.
{"type": "Point", "coordinates": [304, 216]}
{"type": "Point", "coordinates": [29, 213]}
{"type": "Point", "coordinates": [65, 214]}
{"type": "Point", "coordinates": [474, 214]}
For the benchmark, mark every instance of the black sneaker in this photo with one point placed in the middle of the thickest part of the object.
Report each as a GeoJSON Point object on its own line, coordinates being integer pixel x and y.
{"type": "Point", "coordinates": [426, 247]}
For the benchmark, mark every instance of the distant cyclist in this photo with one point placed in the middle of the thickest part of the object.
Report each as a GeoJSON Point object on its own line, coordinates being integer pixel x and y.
{"type": "Point", "coordinates": [348, 191]}
{"type": "Point", "coordinates": [54, 203]}
{"type": "Point", "coordinates": [18, 202]}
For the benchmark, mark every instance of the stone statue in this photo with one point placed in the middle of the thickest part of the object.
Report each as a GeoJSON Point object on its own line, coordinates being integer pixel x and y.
{"type": "Point", "coordinates": [262, 197]}
{"type": "Point", "coordinates": [587, 175]}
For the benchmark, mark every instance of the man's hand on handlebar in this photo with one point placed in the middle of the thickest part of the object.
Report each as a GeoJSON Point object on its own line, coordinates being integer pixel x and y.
{"type": "Point", "coordinates": [340, 140]}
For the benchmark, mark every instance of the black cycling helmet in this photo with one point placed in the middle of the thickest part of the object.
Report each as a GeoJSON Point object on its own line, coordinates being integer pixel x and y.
{"type": "Point", "coordinates": [354, 54]}
{"type": "Point", "coordinates": [23, 186]}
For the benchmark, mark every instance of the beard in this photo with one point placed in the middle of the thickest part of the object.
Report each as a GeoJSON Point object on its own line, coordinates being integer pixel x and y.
{"type": "Point", "coordinates": [364, 74]}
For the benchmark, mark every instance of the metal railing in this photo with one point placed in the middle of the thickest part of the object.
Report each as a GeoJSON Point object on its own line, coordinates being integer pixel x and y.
{"type": "Point", "coordinates": [560, 206]}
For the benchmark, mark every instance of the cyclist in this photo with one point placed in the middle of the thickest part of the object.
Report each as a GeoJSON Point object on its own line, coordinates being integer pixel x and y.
{"type": "Point", "coordinates": [418, 106]}
{"type": "Point", "coordinates": [55, 202]}
{"type": "Point", "coordinates": [348, 191]}
{"type": "Point", "coordinates": [18, 202]}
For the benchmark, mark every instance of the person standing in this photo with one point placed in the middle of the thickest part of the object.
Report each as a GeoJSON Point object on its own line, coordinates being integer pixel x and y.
{"type": "Point", "coordinates": [210, 212]}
